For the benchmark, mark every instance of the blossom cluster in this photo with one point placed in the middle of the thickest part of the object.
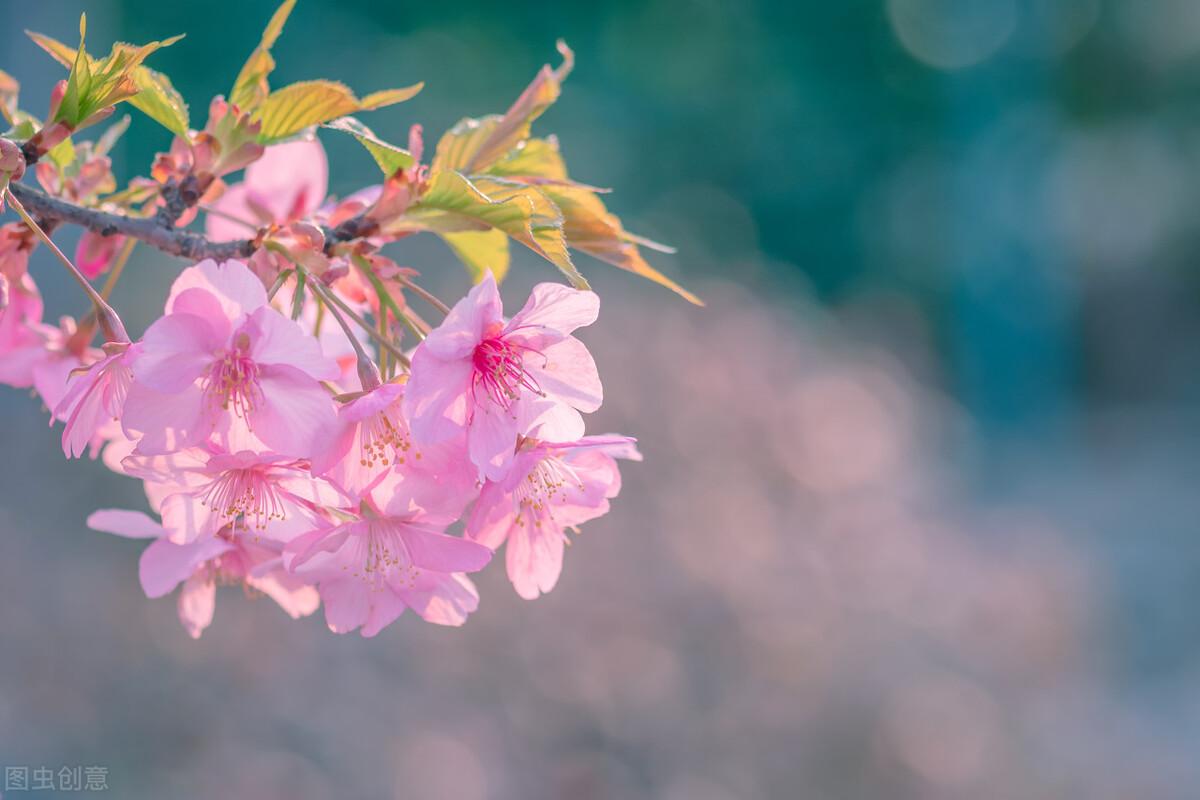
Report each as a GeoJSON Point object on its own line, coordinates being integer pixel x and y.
{"type": "Point", "coordinates": [276, 455]}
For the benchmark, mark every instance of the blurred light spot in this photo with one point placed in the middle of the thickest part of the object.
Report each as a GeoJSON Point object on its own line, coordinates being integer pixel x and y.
{"type": "Point", "coordinates": [1116, 195]}
{"type": "Point", "coordinates": [436, 765]}
{"type": "Point", "coordinates": [1059, 25]}
{"type": "Point", "coordinates": [1161, 31]}
{"type": "Point", "coordinates": [945, 730]}
{"type": "Point", "coordinates": [848, 430]}
{"type": "Point", "coordinates": [952, 34]}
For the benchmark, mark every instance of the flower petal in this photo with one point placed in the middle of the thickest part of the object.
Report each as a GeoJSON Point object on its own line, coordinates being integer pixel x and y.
{"type": "Point", "coordinates": [130, 524]}
{"type": "Point", "coordinates": [296, 413]}
{"type": "Point", "coordinates": [197, 602]}
{"type": "Point", "coordinates": [175, 352]}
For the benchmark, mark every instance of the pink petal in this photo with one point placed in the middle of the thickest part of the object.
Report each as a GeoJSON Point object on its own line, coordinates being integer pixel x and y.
{"type": "Point", "coordinates": [294, 596]}
{"type": "Point", "coordinates": [296, 413]}
{"type": "Point", "coordinates": [164, 565]}
{"type": "Point", "coordinates": [568, 372]}
{"type": "Point", "coordinates": [534, 559]}
{"type": "Point", "coordinates": [276, 340]}
{"type": "Point", "coordinates": [291, 179]}
{"type": "Point", "coordinates": [95, 253]}
{"type": "Point", "coordinates": [175, 352]}
{"type": "Point", "coordinates": [436, 399]}
{"type": "Point", "coordinates": [441, 552]}
{"type": "Point", "coordinates": [163, 423]}
{"type": "Point", "coordinates": [197, 602]}
{"type": "Point", "coordinates": [549, 420]}
{"type": "Point", "coordinates": [187, 518]}
{"type": "Point", "coordinates": [232, 203]}
{"type": "Point", "coordinates": [347, 604]}
{"type": "Point", "coordinates": [493, 517]}
{"type": "Point", "coordinates": [385, 608]}
{"type": "Point", "coordinates": [555, 310]}
{"type": "Point", "coordinates": [130, 524]}
{"type": "Point", "coordinates": [492, 439]}
{"type": "Point", "coordinates": [448, 602]}
{"type": "Point", "coordinates": [232, 282]}
{"type": "Point", "coordinates": [467, 323]}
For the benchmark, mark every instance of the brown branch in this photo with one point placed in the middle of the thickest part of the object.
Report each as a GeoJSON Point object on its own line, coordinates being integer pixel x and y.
{"type": "Point", "coordinates": [186, 244]}
{"type": "Point", "coordinates": [193, 246]}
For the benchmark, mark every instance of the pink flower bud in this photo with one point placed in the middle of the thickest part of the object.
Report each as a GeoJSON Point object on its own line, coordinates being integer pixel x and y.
{"type": "Point", "coordinates": [12, 162]}
{"type": "Point", "coordinates": [95, 253]}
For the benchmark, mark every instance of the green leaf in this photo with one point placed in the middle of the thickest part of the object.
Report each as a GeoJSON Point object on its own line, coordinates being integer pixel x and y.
{"type": "Point", "coordinates": [481, 251]}
{"type": "Point", "coordinates": [94, 85]}
{"type": "Point", "coordinates": [452, 204]}
{"type": "Point", "coordinates": [293, 108]}
{"type": "Point", "coordinates": [62, 154]}
{"type": "Point", "coordinates": [473, 145]}
{"type": "Point", "coordinates": [389, 97]}
{"type": "Point", "coordinates": [389, 157]}
{"type": "Point", "coordinates": [536, 158]}
{"type": "Point", "coordinates": [590, 228]}
{"type": "Point", "coordinates": [158, 99]}
{"type": "Point", "coordinates": [251, 87]}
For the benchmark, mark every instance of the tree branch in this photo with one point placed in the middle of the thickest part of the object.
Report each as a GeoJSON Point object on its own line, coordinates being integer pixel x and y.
{"type": "Point", "coordinates": [186, 244]}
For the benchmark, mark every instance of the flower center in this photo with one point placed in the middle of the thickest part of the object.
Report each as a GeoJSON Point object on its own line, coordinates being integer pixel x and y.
{"type": "Point", "coordinates": [232, 380]}
{"type": "Point", "coordinates": [248, 493]}
{"type": "Point", "coordinates": [546, 485]}
{"type": "Point", "coordinates": [385, 558]}
{"type": "Point", "coordinates": [500, 370]}
{"type": "Point", "coordinates": [383, 438]}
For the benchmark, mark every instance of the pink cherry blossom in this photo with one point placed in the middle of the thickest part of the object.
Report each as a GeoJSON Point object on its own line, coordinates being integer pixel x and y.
{"type": "Point", "coordinates": [95, 253]}
{"type": "Point", "coordinates": [550, 488]}
{"type": "Point", "coordinates": [24, 304]}
{"type": "Point", "coordinates": [222, 352]}
{"type": "Point", "coordinates": [225, 559]}
{"type": "Point", "coordinates": [200, 490]}
{"type": "Point", "coordinates": [94, 398]}
{"type": "Point", "coordinates": [44, 357]}
{"type": "Point", "coordinates": [386, 559]}
{"type": "Point", "coordinates": [502, 379]}
{"type": "Point", "coordinates": [287, 184]}
{"type": "Point", "coordinates": [372, 437]}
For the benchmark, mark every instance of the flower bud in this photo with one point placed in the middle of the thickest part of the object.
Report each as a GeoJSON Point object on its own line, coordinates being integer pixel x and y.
{"type": "Point", "coordinates": [12, 162]}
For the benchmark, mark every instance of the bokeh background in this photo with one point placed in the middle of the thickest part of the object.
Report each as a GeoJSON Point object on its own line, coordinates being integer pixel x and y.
{"type": "Point", "coordinates": [919, 512]}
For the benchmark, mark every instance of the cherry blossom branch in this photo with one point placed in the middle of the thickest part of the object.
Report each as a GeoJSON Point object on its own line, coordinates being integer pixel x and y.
{"type": "Point", "coordinates": [186, 244]}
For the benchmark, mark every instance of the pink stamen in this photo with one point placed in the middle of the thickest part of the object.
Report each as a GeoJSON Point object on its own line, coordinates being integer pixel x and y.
{"type": "Point", "coordinates": [500, 370]}
{"type": "Point", "coordinates": [231, 382]}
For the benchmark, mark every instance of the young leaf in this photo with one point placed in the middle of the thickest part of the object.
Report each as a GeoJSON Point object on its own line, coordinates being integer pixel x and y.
{"type": "Point", "coordinates": [389, 97]}
{"type": "Point", "coordinates": [96, 84]}
{"type": "Point", "coordinates": [473, 145]}
{"type": "Point", "coordinates": [453, 204]}
{"type": "Point", "coordinates": [590, 228]}
{"type": "Point", "coordinates": [293, 108]}
{"type": "Point", "coordinates": [389, 157]}
{"type": "Point", "coordinates": [480, 251]}
{"type": "Point", "coordinates": [532, 159]}
{"type": "Point", "coordinates": [9, 91]}
{"type": "Point", "coordinates": [62, 154]}
{"type": "Point", "coordinates": [251, 87]}
{"type": "Point", "coordinates": [110, 136]}
{"type": "Point", "coordinates": [158, 99]}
